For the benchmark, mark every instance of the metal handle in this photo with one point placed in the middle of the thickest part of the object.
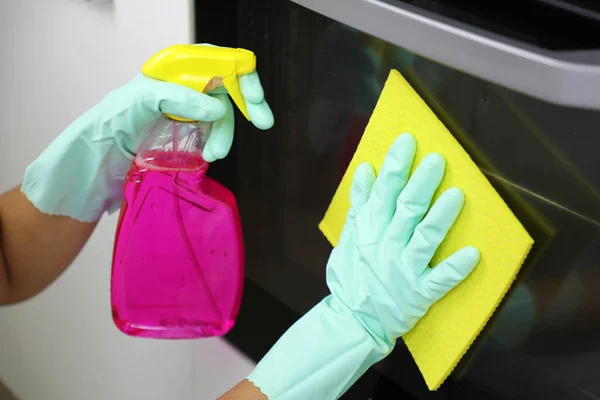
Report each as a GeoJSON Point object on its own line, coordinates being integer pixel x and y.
{"type": "Point", "coordinates": [564, 78]}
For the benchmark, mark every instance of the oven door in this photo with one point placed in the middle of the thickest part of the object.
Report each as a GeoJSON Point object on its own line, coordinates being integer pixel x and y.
{"type": "Point", "coordinates": [518, 89]}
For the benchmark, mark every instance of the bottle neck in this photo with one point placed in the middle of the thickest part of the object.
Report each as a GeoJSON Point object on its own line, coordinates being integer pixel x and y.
{"type": "Point", "coordinates": [168, 161]}
{"type": "Point", "coordinates": [190, 179]}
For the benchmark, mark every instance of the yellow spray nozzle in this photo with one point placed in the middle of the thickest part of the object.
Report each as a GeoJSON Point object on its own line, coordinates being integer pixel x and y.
{"type": "Point", "coordinates": [195, 66]}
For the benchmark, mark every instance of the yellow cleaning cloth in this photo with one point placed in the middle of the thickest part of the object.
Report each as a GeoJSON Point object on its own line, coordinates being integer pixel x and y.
{"type": "Point", "coordinates": [445, 333]}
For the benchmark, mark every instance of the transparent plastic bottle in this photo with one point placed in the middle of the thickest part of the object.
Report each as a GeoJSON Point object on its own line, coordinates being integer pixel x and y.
{"type": "Point", "coordinates": [178, 263]}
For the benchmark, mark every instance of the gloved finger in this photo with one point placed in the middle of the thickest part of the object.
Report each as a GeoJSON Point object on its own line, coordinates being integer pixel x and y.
{"type": "Point", "coordinates": [220, 140]}
{"type": "Point", "coordinates": [259, 111]}
{"type": "Point", "coordinates": [440, 280]}
{"type": "Point", "coordinates": [391, 180]}
{"type": "Point", "coordinates": [184, 102]}
{"type": "Point", "coordinates": [362, 184]}
{"type": "Point", "coordinates": [261, 115]}
{"type": "Point", "coordinates": [251, 88]}
{"type": "Point", "coordinates": [430, 232]}
{"type": "Point", "coordinates": [414, 201]}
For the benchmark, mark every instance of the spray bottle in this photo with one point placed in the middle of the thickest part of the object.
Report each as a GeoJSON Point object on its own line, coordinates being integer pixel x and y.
{"type": "Point", "coordinates": [178, 262]}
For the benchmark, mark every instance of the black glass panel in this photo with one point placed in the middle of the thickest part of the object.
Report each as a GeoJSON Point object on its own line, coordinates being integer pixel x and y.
{"type": "Point", "coordinates": [322, 80]}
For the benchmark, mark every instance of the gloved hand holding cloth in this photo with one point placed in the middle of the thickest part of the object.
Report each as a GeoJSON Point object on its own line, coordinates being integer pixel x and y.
{"type": "Point", "coordinates": [379, 277]}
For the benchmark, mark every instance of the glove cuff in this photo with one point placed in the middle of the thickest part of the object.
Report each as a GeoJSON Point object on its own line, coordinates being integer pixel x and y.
{"type": "Point", "coordinates": [76, 178]}
{"type": "Point", "coordinates": [319, 357]}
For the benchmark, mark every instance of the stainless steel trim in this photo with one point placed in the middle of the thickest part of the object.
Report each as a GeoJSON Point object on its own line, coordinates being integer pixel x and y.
{"type": "Point", "coordinates": [556, 77]}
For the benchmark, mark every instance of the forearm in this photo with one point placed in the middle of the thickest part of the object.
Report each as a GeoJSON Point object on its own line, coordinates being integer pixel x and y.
{"type": "Point", "coordinates": [35, 248]}
{"type": "Point", "coordinates": [319, 357]}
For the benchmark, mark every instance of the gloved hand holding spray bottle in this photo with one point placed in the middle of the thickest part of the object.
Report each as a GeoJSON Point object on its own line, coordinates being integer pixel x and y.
{"type": "Point", "coordinates": [178, 264]}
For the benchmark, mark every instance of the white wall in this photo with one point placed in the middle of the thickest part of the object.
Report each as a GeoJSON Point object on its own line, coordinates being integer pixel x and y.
{"type": "Point", "coordinates": [58, 58]}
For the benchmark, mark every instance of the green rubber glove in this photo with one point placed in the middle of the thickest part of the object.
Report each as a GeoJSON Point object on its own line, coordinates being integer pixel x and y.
{"type": "Point", "coordinates": [221, 137]}
{"type": "Point", "coordinates": [379, 278]}
{"type": "Point", "coordinates": [81, 173]}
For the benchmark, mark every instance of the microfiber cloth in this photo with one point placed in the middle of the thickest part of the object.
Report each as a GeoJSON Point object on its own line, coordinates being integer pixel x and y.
{"type": "Point", "coordinates": [444, 334]}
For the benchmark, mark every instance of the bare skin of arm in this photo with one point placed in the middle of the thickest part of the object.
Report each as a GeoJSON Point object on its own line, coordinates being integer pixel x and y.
{"type": "Point", "coordinates": [245, 390]}
{"type": "Point", "coordinates": [35, 248]}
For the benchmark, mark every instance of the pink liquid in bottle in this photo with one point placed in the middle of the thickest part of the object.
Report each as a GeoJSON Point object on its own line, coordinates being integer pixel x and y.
{"type": "Point", "coordinates": [178, 263]}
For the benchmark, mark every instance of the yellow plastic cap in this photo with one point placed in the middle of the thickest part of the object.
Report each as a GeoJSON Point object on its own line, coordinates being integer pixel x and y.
{"type": "Point", "coordinates": [194, 66]}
